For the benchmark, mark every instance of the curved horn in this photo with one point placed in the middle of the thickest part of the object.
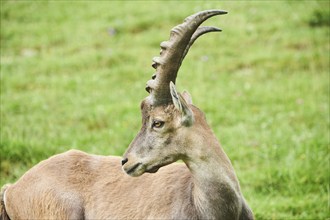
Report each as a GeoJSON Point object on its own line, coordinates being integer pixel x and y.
{"type": "Point", "coordinates": [173, 52]}
{"type": "Point", "coordinates": [199, 32]}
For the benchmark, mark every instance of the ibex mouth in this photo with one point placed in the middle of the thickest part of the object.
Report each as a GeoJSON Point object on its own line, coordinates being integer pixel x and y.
{"type": "Point", "coordinates": [164, 162]}
{"type": "Point", "coordinates": [138, 169]}
{"type": "Point", "coordinates": [153, 169]}
{"type": "Point", "coordinates": [132, 170]}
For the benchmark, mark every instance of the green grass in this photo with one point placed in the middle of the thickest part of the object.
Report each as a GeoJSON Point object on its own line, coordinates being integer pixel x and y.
{"type": "Point", "coordinates": [73, 75]}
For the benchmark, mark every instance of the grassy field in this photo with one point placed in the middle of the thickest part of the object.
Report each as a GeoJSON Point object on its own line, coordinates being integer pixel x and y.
{"type": "Point", "coordinates": [73, 75]}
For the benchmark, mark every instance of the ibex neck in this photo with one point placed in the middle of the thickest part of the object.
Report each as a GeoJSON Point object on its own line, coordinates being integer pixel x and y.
{"type": "Point", "coordinates": [216, 190]}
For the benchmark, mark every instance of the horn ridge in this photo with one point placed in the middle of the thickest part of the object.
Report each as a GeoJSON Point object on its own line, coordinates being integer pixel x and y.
{"type": "Point", "coordinates": [173, 52]}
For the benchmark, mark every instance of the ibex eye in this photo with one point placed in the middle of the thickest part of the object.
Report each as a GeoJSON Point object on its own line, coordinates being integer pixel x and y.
{"type": "Point", "coordinates": [157, 124]}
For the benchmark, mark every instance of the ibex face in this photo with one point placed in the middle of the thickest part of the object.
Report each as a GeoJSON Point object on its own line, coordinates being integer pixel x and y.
{"type": "Point", "coordinates": [167, 119]}
{"type": "Point", "coordinates": [163, 138]}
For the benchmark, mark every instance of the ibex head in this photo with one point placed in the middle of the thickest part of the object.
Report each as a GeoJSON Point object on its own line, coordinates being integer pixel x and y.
{"type": "Point", "coordinates": [169, 120]}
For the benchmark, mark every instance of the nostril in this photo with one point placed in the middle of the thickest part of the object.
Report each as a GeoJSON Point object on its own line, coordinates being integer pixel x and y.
{"type": "Point", "coordinates": [124, 161]}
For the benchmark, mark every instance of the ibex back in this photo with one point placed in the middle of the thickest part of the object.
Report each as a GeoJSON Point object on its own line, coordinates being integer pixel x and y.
{"type": "Point", "coordinates": [82, 186]}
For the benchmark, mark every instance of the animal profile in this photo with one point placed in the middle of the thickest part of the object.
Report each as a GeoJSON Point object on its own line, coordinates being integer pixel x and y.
{"type": "Point", "coordinates": [145, 183]}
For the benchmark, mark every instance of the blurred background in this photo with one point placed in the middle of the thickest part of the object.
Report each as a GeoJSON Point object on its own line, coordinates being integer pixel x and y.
{"type": "Point", "coordinates": [73, 75]}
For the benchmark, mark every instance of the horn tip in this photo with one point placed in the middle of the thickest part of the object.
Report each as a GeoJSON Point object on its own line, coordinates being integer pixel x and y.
{"type": "Point", "coordinates": [221, 12]}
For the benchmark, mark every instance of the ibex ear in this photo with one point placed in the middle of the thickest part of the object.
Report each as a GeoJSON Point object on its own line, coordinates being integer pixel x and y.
{"type": "Point", "coordinates": [181, 104]}
{"type": "Point", "coordinates": [187, 97]}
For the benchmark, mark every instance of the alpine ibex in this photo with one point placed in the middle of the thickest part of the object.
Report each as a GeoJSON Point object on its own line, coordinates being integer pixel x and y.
{"type": "Point", "coordinates": [76, 185]}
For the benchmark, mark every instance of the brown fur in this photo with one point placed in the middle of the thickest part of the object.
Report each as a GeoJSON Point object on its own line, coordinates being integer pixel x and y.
{"type": "Point", "coordinates": [76, 185]}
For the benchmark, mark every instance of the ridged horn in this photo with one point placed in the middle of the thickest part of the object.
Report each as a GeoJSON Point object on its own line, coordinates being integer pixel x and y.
{"type": "Point", "coordinates": [173, 52]}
